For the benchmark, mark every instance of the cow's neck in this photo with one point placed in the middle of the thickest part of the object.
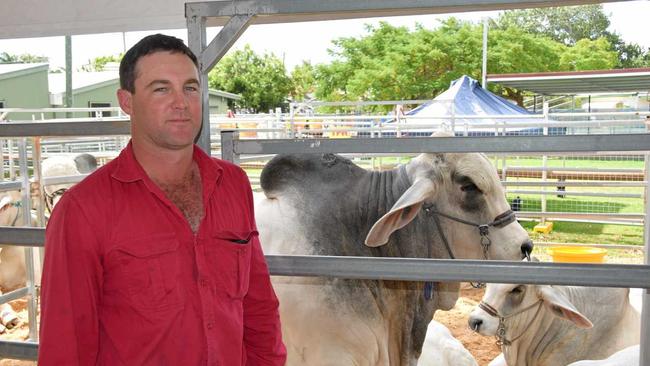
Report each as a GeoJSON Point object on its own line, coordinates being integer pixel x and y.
{"type": "Point", "coordinates": [404, 300]}
{"type": "Point", "coordinates": [542, 332]}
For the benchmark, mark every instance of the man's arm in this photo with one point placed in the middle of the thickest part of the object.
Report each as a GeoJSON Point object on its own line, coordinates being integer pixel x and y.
{"type": "Point", "coordinates": [71, 288]}
{"type": "Point", "coordinates": [262, 331]}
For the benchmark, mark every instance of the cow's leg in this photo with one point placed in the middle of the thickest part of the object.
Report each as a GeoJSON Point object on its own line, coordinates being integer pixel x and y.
{"type": "Point", "coordinates": [8, 316]}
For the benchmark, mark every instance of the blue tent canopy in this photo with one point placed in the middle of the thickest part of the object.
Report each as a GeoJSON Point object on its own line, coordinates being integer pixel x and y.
{"type": "Point", "coordinates": [466, 97]}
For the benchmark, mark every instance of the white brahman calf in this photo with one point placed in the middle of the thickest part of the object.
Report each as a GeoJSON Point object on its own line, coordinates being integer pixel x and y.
{"type": "Point", "coordinates": [539, 325]}
{"type": "Point", "coordinates": [625, 357]}
{"type": "Point", "coordinates": [12, 258]}
{"type": "Point", "coordinates": [440, 348]}
{"type": "Point", "coordinates": [62, 166]}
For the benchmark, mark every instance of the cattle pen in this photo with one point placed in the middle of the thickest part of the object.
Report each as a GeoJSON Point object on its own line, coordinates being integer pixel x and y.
{"type": "Point", "coordinates": [236, 149]}
{"type": "Point", "coordinates": [237, 18]}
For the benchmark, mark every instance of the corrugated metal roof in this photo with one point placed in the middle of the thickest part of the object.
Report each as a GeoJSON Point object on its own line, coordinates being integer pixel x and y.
{"type": "Point", "coordinates": [13, 70]}
{"type": "Point", "coordinates": [577, 82]}
{"type": "Point", "coordinates": [80, 80]}
{"type": "Point", "coordinates": [224, 94]}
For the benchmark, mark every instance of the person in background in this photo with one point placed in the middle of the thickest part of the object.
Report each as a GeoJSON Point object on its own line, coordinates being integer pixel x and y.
{"type": "Point", "coordinates": [154, 259]}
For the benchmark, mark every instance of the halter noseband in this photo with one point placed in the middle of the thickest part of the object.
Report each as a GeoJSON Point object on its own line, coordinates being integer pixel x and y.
{"type": "Point", "coordinates": [501, 220]}
{"type": "Point", "coordinates": [500, 335]}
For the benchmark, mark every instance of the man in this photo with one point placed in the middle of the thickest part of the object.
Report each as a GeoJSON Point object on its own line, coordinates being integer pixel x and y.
{"type": "Point", "coordinates": [154, 259]}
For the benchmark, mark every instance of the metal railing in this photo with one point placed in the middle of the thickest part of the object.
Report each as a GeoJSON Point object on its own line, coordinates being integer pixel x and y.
{"type": "Point", "coordinates": [385, 268]}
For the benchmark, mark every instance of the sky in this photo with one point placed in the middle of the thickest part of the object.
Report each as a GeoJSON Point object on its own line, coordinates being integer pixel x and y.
{"type": "Point", "coordinates": [296, 42]}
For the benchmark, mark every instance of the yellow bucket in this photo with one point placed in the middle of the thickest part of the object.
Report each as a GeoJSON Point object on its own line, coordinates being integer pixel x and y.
{"type": "Point", "coordinates": [577, 254]}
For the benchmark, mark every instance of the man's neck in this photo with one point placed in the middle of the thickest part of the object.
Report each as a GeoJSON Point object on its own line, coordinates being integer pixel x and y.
{"type": "Point", "coordinates": [164, 166]}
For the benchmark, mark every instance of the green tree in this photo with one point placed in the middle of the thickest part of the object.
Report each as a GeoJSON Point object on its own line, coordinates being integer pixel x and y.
{"type": "Point", "coordinates": [589, 55]}
{"type": "Point", "coordinates": [27, 58]}
{"type": "Point", "coordinates": [512, 50]}
{"type": "Point", "coordinates": [566, 24]}
{"type": "Point", "coordinates": [303, 81]}
{"type": "Point", "coordinates": [262, 81]}
{"type": "Point", "coordinates": [570, 24]}
{"type": "Point", "coordinates": [394, 63]}
{"type": "Point", "coordinates": [99, 63]}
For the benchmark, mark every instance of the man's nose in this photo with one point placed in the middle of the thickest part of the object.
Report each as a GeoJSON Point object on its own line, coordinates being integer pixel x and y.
{"type": "Point", "coordinates": [180, 100]}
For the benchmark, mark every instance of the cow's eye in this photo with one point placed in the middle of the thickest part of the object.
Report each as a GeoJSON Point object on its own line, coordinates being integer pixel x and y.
{"type": "Point", "coordinates": [469, 187]}
{"type": "Point", "coordinates": [517, 290]}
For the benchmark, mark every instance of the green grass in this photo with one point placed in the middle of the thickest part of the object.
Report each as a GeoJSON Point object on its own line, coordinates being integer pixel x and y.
{"type": "Point", "coordinates": [575, 162]}
{"type": "Point", "coordinates": [587, 233]}
{"type": "Point", "coordinates": [579, 204]}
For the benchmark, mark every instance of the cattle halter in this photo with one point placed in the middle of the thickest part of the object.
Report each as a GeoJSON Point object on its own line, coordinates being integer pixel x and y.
{"type": "Point", "coordinates": [483, 229]}
{"type": "Point", "coordinates": [500, 221]}
{"type": "Point", "coordinates": [49, 198]}
{"type": "Point", "coordinates": [19, 206]}
{"type": "Point", "coordinates": [500, 335]}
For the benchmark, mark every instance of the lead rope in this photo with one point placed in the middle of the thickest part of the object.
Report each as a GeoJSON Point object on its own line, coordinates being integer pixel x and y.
{"type": "Point", "coordinates": [448, 247]}
{"type": "Point", "coordinates": [18, 205]}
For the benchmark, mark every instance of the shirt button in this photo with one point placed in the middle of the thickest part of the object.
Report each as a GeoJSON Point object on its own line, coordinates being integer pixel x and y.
{"type": "Point", "coordinates": [204, 282]}
{"type": "Point", "coordinates": [209, 325]}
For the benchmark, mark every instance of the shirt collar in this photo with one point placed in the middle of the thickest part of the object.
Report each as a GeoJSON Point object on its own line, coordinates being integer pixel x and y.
{"type": "Point", "coordinates": [129, 170]}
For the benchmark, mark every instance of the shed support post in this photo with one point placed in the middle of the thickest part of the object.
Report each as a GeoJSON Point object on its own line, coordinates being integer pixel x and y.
{"type": "Point", "coordinates": [208, 57]}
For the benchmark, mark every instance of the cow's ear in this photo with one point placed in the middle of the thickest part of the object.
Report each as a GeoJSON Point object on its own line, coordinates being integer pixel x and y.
{"type": "Point", "coordinates": [4, 203]}
{"type": "Point", "coordinates": [402, 212]}
{"type": "Point", "coordinates": [562, 307]}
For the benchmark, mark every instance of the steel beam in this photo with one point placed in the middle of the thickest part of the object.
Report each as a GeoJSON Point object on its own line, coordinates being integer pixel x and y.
{"type": "Point", "coordinates": [288, 11]}
{"type": "Point", "coordinates": [24, 350]}
{"type": "Point", "coordinates": [485, 144]}
{"type": "Point", "coordinates": [227, 36]}
{"type": "Point", "coordinates": [22, 236]}
{"type": "Point", "coordinates": [82, 128]}
{"type": "Point", "coordinates": [13, 295]}
{"type": "Point", "coordinates": [445, 270]}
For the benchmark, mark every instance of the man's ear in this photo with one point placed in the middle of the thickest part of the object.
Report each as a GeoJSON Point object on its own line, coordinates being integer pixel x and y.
{"type": "Point", "coordinates": [124, 98]}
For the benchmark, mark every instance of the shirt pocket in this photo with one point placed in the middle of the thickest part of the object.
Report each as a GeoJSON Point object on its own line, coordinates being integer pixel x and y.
{"type": "Point", "coordinates": [150, 271]}
{"type": "Point", "coordinates": [228, 256]}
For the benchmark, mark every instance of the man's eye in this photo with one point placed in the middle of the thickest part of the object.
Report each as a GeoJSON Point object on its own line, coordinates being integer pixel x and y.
{"type": "Point", "coordinates": [161, 89]}
{"type": "Point", "coordinates": [191, 88]}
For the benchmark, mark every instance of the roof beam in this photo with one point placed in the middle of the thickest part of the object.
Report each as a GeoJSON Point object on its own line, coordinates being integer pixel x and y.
{"type": "Point", "coordinates": [288, 11]}
{"type": "Point", "coordinates": [37, 18]}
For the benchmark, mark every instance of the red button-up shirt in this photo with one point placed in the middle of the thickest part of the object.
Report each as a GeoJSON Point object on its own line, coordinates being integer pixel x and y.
{"type": "Point", "coordinates": [127, 282]}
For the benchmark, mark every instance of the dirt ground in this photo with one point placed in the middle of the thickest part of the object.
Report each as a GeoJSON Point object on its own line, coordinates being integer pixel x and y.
{"type": "Point", "coordinates": [19, 333]}
{"type": "Point", "coordinates": [482, 348]}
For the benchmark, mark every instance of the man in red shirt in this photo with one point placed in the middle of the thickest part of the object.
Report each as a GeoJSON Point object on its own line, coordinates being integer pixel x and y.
{"type": "Point", "coordinates": [154, 259]}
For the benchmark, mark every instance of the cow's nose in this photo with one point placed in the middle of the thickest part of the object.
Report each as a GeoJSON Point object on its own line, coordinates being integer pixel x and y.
{"type": "Point", "coordinates": [527, 249]}
{"type": "Point", "coordinates": [475, 323]}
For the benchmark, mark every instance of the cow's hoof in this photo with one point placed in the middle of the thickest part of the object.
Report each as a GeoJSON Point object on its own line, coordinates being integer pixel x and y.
{"type": "Point", "coordinates": [11, 323]}
{"type": "Point", "coordinates": [9, 319]}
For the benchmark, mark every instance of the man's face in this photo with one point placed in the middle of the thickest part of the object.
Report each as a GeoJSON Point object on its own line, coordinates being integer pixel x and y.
{"type": "Point", "coordinates": [165, 109]}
